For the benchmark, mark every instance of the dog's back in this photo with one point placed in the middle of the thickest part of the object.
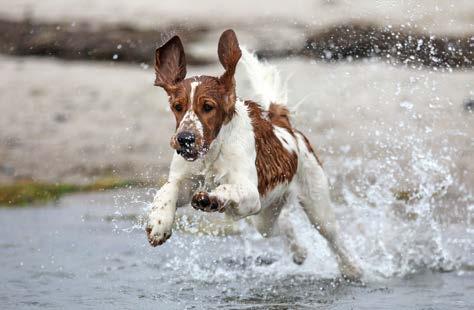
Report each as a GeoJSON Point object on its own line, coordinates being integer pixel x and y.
{"type": "Point", "coordinates": [278, 144]}
{"type": "Point", "coordinates": [276, 160]}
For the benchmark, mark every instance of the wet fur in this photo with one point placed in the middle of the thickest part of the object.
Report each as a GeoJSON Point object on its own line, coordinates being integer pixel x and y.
{"type": "Point", "coordinates": [275, 165]}
{"type": "Point", "coordinates": [253, 161]}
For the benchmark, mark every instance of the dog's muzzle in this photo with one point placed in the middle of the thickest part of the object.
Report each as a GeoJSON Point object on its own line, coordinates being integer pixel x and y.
{"type": "Point", "coordinates": [187, 145]}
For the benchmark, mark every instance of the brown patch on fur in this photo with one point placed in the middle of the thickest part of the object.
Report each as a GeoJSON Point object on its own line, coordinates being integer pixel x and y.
{"type": "Point", "coordinates": [275, 165]}
{"type": "Point", "coordinates": [310, 148]}
{"type": "Point", "coordinates": [279, 115]}
{"type": "Point", "coordinates": [179, 100]}
{"type": "Point", "coordinates": [210, 92]}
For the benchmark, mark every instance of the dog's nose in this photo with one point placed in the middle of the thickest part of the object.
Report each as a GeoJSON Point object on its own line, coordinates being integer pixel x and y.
{"type": "Point", "coordinates": [186, 138]}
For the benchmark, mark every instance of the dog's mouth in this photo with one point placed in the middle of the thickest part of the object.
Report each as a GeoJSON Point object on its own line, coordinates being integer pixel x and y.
{"type": "Point", "coordinates": [190, 154]}
{"type": "Point", "coordinates": [188, 150]}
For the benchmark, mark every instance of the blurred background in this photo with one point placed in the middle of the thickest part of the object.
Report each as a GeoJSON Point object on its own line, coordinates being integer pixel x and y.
{"type": "Point", "coordinates": [77, 102]}
{"type": "Point", "coordinates": [384, 90]}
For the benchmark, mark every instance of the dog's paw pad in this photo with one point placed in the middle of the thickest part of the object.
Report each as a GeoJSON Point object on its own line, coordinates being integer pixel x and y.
{"type": "Point", "coordinates": [202, 201]}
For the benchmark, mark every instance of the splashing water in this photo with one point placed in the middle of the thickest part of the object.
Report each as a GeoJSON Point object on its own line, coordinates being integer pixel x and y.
{"type": "Point", "coordinates": [399, 194]}
{"type": "Point", "coordinates": [392, 234]}
{"type": "Point", "coordinates": [400, 203]}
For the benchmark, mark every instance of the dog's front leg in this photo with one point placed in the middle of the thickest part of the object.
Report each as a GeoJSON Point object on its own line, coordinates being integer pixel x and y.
{"type": "Point", "coordinates": [162, 213]}
{"type": "Point", "coordinates": [161, 216]}
{"type": "Point", "coordinates": [237, 200]}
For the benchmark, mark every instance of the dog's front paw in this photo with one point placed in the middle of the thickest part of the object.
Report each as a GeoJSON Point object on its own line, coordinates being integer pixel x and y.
{"type": "Point", "coordinates": [158, 228]}
{"type": "Point", "coordinates": [205, 202]}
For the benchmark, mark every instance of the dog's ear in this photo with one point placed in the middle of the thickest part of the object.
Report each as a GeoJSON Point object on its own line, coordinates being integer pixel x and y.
{"type": "Point", "coordinates": [170, 64]}
{"type": "Point", "coordinates": [229, 51]}
{"type": "Point", "coordinates": [229, 54]}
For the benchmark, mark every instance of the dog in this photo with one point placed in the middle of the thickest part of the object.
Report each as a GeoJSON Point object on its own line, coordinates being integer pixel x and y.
{"type": "Point", "coordinates": [254, 162]}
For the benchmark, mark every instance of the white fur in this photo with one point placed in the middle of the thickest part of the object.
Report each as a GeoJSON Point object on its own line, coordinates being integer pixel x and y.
{"type": "Point", "coordinates": [193, 91]}
{"type": "Point", "coordinates": [265, 80]}
{"type": "Point", "coordinates": [286, 139]}
{"type": "Point", "coordinates": [191, 119]}
{"type": "Point", "coordinates": [298, 251]}
{"type": "Point", "coordinates": [235, 144]}
{"type": "Point", "coordinates": [162, 213]}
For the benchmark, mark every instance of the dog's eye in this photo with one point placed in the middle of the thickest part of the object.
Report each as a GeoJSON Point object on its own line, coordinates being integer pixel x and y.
{"type": "Point", "coordinates": [178, 107]}
{"type": "Point", "coordinates": [207, 107]}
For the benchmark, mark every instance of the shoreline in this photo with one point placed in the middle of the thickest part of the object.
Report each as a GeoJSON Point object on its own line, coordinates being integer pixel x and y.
{"type": "Point", "coordinates": [31, 193]}
{"type": "Point", "coordinates": [405, 46]}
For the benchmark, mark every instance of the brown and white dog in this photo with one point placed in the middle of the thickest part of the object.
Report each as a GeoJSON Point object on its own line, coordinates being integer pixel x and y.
{"type": "Point", "coordinates": [253, 161]}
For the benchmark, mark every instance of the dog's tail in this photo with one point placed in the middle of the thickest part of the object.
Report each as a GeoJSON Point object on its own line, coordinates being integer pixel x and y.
{"type": "Point", "coordinates": [266, 82]}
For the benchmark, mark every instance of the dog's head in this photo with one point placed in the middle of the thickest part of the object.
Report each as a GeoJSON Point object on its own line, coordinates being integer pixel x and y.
{"type": "Point", "coordinates": [201, 104]}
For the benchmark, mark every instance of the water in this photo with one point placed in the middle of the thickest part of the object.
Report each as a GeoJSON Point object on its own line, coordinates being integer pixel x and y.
{"type": "Point", "coordinates": [89, 251]}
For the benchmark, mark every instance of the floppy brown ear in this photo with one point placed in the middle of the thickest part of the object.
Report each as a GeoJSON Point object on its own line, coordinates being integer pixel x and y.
{"type": "Point", "coordinates": [229, 51]}
{"type": "Point", "coordinates": [170, 64]}
{"type": "Point", "coordinates": [229, 54]}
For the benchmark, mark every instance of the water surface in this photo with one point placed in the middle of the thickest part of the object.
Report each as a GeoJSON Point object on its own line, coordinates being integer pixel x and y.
{"type": "Point", "coordinates": [88, 251]}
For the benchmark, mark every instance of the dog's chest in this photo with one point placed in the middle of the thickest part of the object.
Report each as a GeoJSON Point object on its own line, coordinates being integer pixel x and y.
{"type": "Point", "coordinates": [210, 180]}
{"type": "Point", "coordinates": [213, 175]}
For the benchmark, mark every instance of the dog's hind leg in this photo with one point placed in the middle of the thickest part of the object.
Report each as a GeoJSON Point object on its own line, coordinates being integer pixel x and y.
{"type": "Point", "coordinates": [314, 197]}
{"type": "Point", "coordinates": [297, 250]}
{"type": "Point", "coordinates": [278, 213]}
{"type": "Point", "coordinates": [265, 220]}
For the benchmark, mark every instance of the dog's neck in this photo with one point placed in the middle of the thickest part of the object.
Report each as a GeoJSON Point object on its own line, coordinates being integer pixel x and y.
{"type": "Point", "coordinates": [232, 135]}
